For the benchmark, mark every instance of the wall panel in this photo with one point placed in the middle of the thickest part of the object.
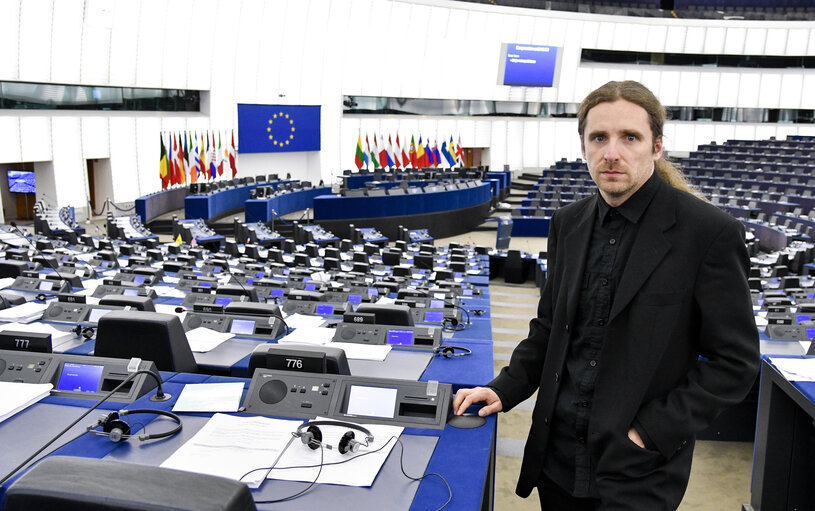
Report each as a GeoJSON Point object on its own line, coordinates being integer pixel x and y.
{"type": "Point", "coordinates": [35, 137]}
{"type": "Point", "coordinates": [66, 42]}
{"type": "Point", "coordinates": [35, 40]}
{"type": "Point", "coordinates": [9, 39]}
{"type": "Point", "coordinates": [124, 42]}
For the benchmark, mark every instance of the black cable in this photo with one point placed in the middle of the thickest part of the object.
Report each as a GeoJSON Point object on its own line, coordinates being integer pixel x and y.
{"type": "Point", "coordinates": [401, 467]}
{"type": "Point", "coordinates": [121, 209]}
{"type": "Point", "coordinates": [307, 488]}
{"type": "Point", "coordinates": [104, 206]}
{"type": "Point", "coordinates": [469, 322]}
{"type": "Point", "coordinates": [159, 395]}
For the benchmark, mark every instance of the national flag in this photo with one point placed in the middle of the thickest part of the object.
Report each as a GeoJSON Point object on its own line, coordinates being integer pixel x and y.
{"type": "Point", "coordinates": [358, 157]}
{"type": "Point", "coordinates": [447, 156]}
{"type": "Point", "coordinates": [279, 128]}
{"type": "Point", "coordinates": [212, 155]}
{"type": "Point", "coordinates": [367, 151]}
{"type": "Point", "coordinates": [393, 158]}
{"type": "Point", "coordinates": [187, 160]}
{"type": "Point", "coordinates": [181, 162]}
{"type": "Point", "coordinates": [414, 159]}
{"type": "Point", "coordinates": [451, 150]}
{"type": "Point", "coordinates": [374, 152]}
{"type": "Point", "coordinates": [436, 154]}
{"type": "Point", "coordinates": [163, 171]}
{"type": "Point", "coordinates": [232, 155]}
{"type": "Point", "coordinates": [421, 159]}
{"type": "Point", "coordinates": [202, 158]}
{"type": "Point", "coordinates": [428, 154]}
{"type": "Point", "coordinates": [171, 158]}
{"type": "Point", "coordinates": [460, 151]}
{"type": "Point", "coordinates": [401, 150]}
{"type": "Point", "coordinates": [383, 151]}
{"type": "Point", "coordinates": [220, 156]}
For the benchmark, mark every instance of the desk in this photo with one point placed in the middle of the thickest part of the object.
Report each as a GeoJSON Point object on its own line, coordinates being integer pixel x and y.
{"type": "Point", "coordinates": [783, 452]}
{"type": "Point", "coordinates": [222, 202]}
{"type": "Point", "coordinates": [261, 210]}
{"type": "Point", "coordinates": [156, 204]}
{"type": "Point", "coordinates": [472, 488]}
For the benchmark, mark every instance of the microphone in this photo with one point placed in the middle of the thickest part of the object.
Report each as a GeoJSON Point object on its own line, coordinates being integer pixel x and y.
{"type": "Point", "coordinates": [288, 330]}
{"type": "Point", "coordinates": [47, 261]}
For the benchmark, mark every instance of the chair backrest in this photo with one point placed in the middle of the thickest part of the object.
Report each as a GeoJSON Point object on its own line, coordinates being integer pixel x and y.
{"type": "Point", "coordinates": [147, 335]}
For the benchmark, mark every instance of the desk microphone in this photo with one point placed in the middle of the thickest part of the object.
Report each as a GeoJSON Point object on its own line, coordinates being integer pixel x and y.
{"type": "Point", "coordinates": [47, 261]}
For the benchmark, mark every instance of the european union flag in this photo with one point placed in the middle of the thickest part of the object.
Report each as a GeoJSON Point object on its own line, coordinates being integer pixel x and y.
{"type": "Point", "coordinates": [278, 128]}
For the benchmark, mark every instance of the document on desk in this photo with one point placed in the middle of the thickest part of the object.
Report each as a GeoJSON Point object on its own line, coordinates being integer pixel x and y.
{"type": "Point", "coordinates": [209, 397]}
{"type": "Point", "coordinates": [795, 369]}
{"type": "Point", "coordinates": [15, 397]}
{"type": "Point", "coordinates": [363, 351]}
{"type": "Point", "coordinates": [308, 335]}
{"type": "Point", "coordinates": [302, 320]}
{"type": "Point", "coordinates": [235, 446]}
{"type": "Point", "coordinates": [6, 282]}
{"type": "Point", "coordinates": [347, 470]}
{"type": "Point", "coordinates": [24, 313]}
{"type": "Point", "coordinates": [169, 292]}
{"type": "Point", "coordinates": [203, 339]}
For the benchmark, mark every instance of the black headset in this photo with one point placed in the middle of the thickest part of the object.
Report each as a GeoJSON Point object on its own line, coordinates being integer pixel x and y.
{"type": "Point", "coordinates": [84, 331]}
{"type": "Point", "coordinates": [117, 429]}
{"type": "Point", "coordinates": [450, 351]}
{"type": "Point", "coordinates": [313, 437]}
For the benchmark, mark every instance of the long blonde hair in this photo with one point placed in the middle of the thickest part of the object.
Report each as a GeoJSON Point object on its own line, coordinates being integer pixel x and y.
{"type": "Point", "coordinates": [638, 94]}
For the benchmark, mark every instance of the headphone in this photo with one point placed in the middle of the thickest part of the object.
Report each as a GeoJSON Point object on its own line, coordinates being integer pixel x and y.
{"type": "Point", "coordinates": [313, 437]}
{"type": "Point", "coordinates": [450, 351]}
{"type": "Point", "coordinates": [84, 331]}
{"type": "Point", "coordinates": [117, 430]}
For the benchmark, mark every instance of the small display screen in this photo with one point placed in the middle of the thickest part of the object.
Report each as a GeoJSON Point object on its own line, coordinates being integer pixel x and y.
{"type": "Point", "coordinates": [138, 279]}
{"type": "Point", "coordinates": [223, 300]}
{"type": "Point", "coordinates": [250, 281]}
{"type": "Point", "coordinates": [371, 401]}
{"type": "Point", "coordinates": [373, 291]}
{"type": "Point", "coordinates": [80, 377]}
{"type": "Point", "coordinates": [95, 314]}
{"type": "Point", "coordinates": [306, 279]}
{"type": "Point", "coordinates": [324, 308]}
{"type": "Point", "coordinates": [403, 337]}
{"type": "Point", "coordinates": [277, 292]}
{"type": "Point", "coordinates": [311, 287]}
{"type": "Point", "coordinates": [260, 274]}
{"type": "Point", "coordinates": [242, 327]}
{"type": "Point", "coordinates": [205, 284]}
{"type": "Point", "coordinates": [802, 317]}
{"type": "Point", "coordinates": [468, 292]}
{"type": "Point", "coordinates": [46, 285]}
{"type": "Point", "coordinates": [131, 292]}
{"type": "Point", "coordinates": [436, 304]}
{"type": "Point", "coordinates": [433, 317]}
{"type": "Point", "coordinates": [217, 269]}
{"type": "Point", "coordinates": [354, 298]}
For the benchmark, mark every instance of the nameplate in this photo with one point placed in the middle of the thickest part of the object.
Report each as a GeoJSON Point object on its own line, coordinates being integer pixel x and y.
{"type": "Point", "coordinates": [71, 298]}
{"type": "Point", "coordinates": [208, 307]}
{"type": "Point", "coordinates": [365, 318]}
{"type": "Point", "coordinates": [25, 341]}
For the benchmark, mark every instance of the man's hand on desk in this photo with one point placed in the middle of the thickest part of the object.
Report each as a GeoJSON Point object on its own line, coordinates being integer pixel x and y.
{"type": "Point", "coordinates": [466, 397]}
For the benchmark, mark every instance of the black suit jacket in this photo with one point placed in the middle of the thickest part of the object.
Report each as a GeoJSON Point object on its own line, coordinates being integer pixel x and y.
{"type": "Point", "coordinates": [681, 344]}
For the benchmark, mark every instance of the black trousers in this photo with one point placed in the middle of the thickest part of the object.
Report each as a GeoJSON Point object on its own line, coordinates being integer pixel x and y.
{"type": "Point", "coordinates": [555, 498]}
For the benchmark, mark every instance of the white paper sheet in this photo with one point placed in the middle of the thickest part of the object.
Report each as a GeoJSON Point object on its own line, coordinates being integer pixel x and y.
{"type": "Point", "coordinates": [6, 282]}
{"type": "Point", "coordinates": [384, 300]}
{"type": "Point", "coordinates": [203, 339]}
{"type": "Point", "coordinates": [795, 369]}
{"type": "Point", "coordinates": [15, 397]}
{"type": "Point", "coordinates": [24, 313]}
{"type": "Point", "coordinates": [58, 337]}
{"type": "Point", "coordinates": [308, 335]}
{"type": "Point", "coordinates": [232, 446]}
{"type": "Point", "coordinates": [209, 397]}
{"type": "Point", "coordinates": [363, 351]}
{"type": "Point", "coordinates": [169, 292]}
{"type": "Point", "coordinates": [302, 320]}
{"type": "Point", "coordinates": [354, 470]}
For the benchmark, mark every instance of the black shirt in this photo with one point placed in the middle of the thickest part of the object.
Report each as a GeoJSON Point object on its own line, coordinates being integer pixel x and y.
{"type": "Point", "coordinates": [567, 459]}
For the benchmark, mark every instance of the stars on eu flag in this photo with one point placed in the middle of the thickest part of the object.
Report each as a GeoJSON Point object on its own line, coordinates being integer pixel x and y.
{"type": "Point", "coordinates": [279, 131]}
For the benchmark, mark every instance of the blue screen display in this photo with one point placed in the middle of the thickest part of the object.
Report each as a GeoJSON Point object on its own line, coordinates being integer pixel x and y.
{"type": "Point", "coordinates": [259, 274]}
{"type": "Point", "coordinates": [138, 279]}
{"type": "Point", "coordinates": [277, 292]}
{"type": "Point", "coordinates": [436, 304]}
{"type": "Point", "coordinates": [325, 309]}
{"type": "Point", "coordinates": [354, 298]}
{"type": "Point", "coordinates": [802, 317]}
{"type": "Point", "coordinates": [468, 292]}
{"type": "Point", "coordinates": [373, 291]}
{"type": "Point", "coordinates": [433, 317]}
{"type": "Point", "coordinates": [21, 181]}
{"type": "Point", "coordinates": [131, 292]}
{"type": "Point", "coordinates": [80, 377]}
{"type": "Point", "coordinates": [311, 287]}
{"type": "Point", "coordinates": [530, 65]}
{"type": "Point", "coordinates": [205, 284]}
{"type": "Point", "coordinates": [223, 300]}
{"type": "Point", "coordinates": [401, 337]}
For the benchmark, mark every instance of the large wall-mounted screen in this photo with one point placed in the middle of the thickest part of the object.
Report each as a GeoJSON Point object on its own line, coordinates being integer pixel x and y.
{"type": "Point", "coordinates": [529, 65]}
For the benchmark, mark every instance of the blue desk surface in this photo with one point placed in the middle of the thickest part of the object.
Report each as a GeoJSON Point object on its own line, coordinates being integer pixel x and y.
{"type": "Point", "coordinates": [260, 210]}
{"type": "Point", "coordinates": [456, 448]}
{"type": "Point", "coordinates": [218, 203]}
{"type": "Point", "coordinates": [340, 208]}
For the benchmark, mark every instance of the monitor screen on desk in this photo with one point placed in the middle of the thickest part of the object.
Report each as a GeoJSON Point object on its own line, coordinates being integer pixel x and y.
{"type": "Point", "coordinates": [324, 308]}
{"type": "Point", "coordinates": [433, 317]}
{"type": "Point", "coordinates": [223, 300]}
{"type": "Point", "coordinates": [400, 337]}
{"type": "Point", "coordinates": [80, 377]}
{"type": "Point", "coordinates": [45, 285]}
{"type": "Point", "coordinates": [95, 314]}
{"type": "Point", "coordinates": [138, 279]}
{"type": "Point", "coordinates": [242, 327]}
{"type": "Point", "coordinates": [131, 292]}
{"type": "Point", "coordinates": [371, 401]}
{"type": "Point", "coordinates": [436, 304]}
{"type": "Point", "coordinates": [354, 299]}
{"type": "Point", "coordinates": [278, 292]}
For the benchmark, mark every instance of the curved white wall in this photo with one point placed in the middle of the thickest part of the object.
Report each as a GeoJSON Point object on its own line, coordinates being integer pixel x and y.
{"type": "Point", "coordinates": [316, 51]}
